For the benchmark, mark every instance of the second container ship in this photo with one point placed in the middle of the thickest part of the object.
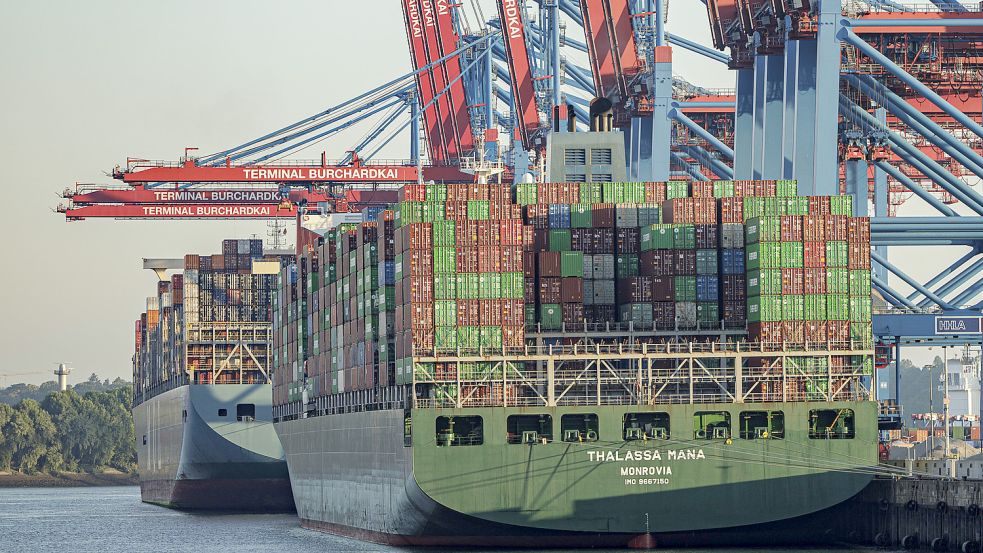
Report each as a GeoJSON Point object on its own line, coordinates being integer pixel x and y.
{"type": "Point", "coordinates": [202, 412]}
{"type": "Point", "coordinates": [564, 364]}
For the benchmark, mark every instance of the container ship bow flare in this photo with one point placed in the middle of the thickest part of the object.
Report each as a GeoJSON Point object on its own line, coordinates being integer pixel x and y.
{"type": "Point", "coordinates": [577, 365]}
{"type": "Point", "coordinates": [202, 406]}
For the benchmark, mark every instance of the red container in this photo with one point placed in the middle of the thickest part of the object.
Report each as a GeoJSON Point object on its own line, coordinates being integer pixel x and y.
{"type": "Point", "coordinates": [573, 313]}
{"type": "Point", "coordinates": [537, 215]}
{"type": "Point", "coordinates": [511, 259]}
{"type": "Point", "coordinates": [571, 290]}
{"type": "Point", "coordinates": [678, 210]}
{"type": "Point", "coordinates": [421, 288]}
{"type": "Point", "coordinates": [732, 210]}
{"type": "Point", "coordinates": [656, 263]}
{"type": "Point", "coordinates": [838, 331]}
{"type": "Point", "coordinates": [549, 264]}
{"type": "Point", "coordinates": [513, 336]}
{"type": "Point", "coordinates": [510, 232]}
{"type": "Point", "coordinates": [489, 259]}
{"type": "Point", "coordinates": [813, 228]}
{"type": "Point", "coordinates": [601, 240]}
{"type": "Point", "coordinates": [794, 332]}
{"type": "Point", "coordinates": [814, 281]}
{"type": "Point", "coordinates": [490, 312]}
{"type": "Point", "coordinates": [635, 290]}
{"type": "Point", "coordinates": [540, 239]}
{"type": "Point", "coordinates": [743, 188]}
{"type": "Point", "coordinates": [702, 189]}
{"type": "Point", "coordinates": [792, 282]}
{"type": "Point", "coordinates": [836, 228]}
{"type": "Point", "coordinates": [513, 313]}
{"type": "Point", "coordinates": [466, 260]}
{"type": "Point", "coordinates": [580, 240]}
{"type": "Point", "coordinates": [655, 193]}
{"type": "Point", "coordinates": [530, 290]}
{"type": "Point", "coordinates": [664, 315]}
{"type": "Point", "coordinates": [858, 230]}
{"type": "Point", "coordinates": [489, 233]}
{"type": "Point", "coordinates": [858, 256]}
{"type": "Point", "coordinates": [791, 230]}
{"type": "Point", "coordinates": [603, 215]}
{"type": "Point", "coordinates": [707, 236]}
{"type": "Point", "coordinates": [733, 287]}
{"type": "Point", "coordinates": [456, 211]}
{"type": "Point", "coordinates": [814, 255]}
{"type": "Point", "coordinates": [468, 312]}
{"type": "Point", "coordinates": [421, 315]}
{"type": "Point", "coordinates": [663, 289]}
{"type": "Point", "coordinates": [766, 188]}
{"type": "Point", "coordinates": [815, 331]}
{"type": "Point", "coordinates": [550, 290]}
{"type": "Point", "coordinates": [419, 236]}
{"type": "Point", "coordinates": [819, 205]}
{"type": "Point", "coordinates": [627, 240]}
{"type": "Point", "coordinates": [766, 332]}
{"type": "Point", "coordinates": [734, 311]}
{"type": "Point", "coordinates": [529, 264]}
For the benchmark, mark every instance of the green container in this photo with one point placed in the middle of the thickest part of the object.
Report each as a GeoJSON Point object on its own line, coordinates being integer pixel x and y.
{"type": "Point", "coordinates": [581, 216]}
{"type": "Point", "coordinates": [774, 206]}
{"type": "Point", "coordinates": [467, 286]}
{"type": "Point", "coordinates": [764, 309]}
{"type": "Point", "coordinates": [793, 308]}
{"type": "Point", "coordinates": [753, 207]}
{"type": "Point", "coordinates": [796, 205]}
{"type": "Point", "coordinates": [626, 265]}
{"type": "Point", "coordinates": [445, 313]}
{"type": "Point", "coordinates": [478, 210]}
{"type": "Point", "coordinates": [489, 286]}
{"type": "Point", "coordinates": [764, 282]}
{"type": "Point", "coordinates": [468, 337]}
{"type": "Point", "coordinates": [860, 308]}
{"type": "Point", "coordinates": [815, 307]}
{"type": "Point", "coordinates": [433, 211]}
{"type": "Point", "coordinates": [530, 313]}
{"type": "Point", "coordinates": [707, 314]}
{"type": "Point", "coordinates": [407, 212]}
{"type": "Point", "coordinates": [444, 260]}
{"type": "Point", "coordinates": [559, 240]}
{"type": "Point", "coordinates": [763, 229]}
{"type": "Point", "coordinates": [590, 193]}
{"type": "Point", "coordinates": [512, 286]}
{"type": "Point", "coordinates": [657, 237]}
{"type": "Point", "coordinates": [683, 237]}
{"type": "Point", "coordinates": [861, 331]}
{"type": "Point", "coordinates": [836, 254]}
{"type": "Point", "coordinates": [550, 316]}
{"type": "Point", "coordinates": [443, 233]}
{"type": "Point", "coordinates": [490, 337]}
{"type": "Point", "coordinates": [526, 194]}
{"type": "Point", "coordinates": [786, 188]}
{"type": "Point", "coordinates": [860, 283]}
{"type": "Point", "coordinates": [723, 188]}
{"type": "Point", "coordinates": [572, 264]}
{"type": "Point", "coordinates": [436, 192]}
{"type": "Point", "coordinates": [685, 287]}
{"type": "Point", "coordinates": [444, 287]}
{"type": "Point", "coordinates": [445, 337]}
{"type": "Point", "coordinates": [765, 255]}
{"type": "Point", "coordinates": [841, 205]}
{"type": "Point", "coordinates": [791, 256]}
{"type": "Point", "coordinates": [837, 307]}
{"type": "Point", "coordinates": [706, 262]}
{"type": "Point", "coordinates": [837, 280]}
{"type": "Point", "coordinates": [677, 189]}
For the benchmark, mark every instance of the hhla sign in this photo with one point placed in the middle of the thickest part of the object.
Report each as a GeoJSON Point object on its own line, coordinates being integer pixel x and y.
{"type": "Point", "coordinates": [957, 325]}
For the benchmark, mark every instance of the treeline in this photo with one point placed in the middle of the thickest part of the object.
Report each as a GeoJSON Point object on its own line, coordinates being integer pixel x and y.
{"type": "Point", "coordinates": [16, 393]}
{"type": "Point", "coordinates": [68, 431]}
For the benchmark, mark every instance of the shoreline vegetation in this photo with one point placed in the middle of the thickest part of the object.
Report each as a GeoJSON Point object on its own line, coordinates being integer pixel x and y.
{"type": "Point", "coordinates": [10, 479]}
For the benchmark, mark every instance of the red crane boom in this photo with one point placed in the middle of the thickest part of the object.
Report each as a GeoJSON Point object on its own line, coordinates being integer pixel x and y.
{"type": "Point", "coordinates": [525, 111]}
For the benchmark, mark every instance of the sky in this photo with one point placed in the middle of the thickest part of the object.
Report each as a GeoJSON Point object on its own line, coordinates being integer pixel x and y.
{"type": "Point", "coordinates": [87, 84]}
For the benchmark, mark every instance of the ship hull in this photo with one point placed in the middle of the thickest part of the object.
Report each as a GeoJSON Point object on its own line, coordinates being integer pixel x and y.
{"type": "Point", "coordinates": [192, 456]}
{"type": "Point", "coordinates": [751, 492]}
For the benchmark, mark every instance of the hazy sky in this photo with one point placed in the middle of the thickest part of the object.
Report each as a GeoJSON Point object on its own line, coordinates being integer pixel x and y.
{"type": "Point", "coordinates": [86, 84]}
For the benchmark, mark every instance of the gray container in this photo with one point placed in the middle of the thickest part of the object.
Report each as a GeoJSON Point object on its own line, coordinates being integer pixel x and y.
{"type": "Point", "coordinates": [732, 235]}
{"type": "Point", "coordinates": [589, 292]}
{"type": "Point", "coordinates": [603, 292]}
{"type": "Point", "coordinates": [686, 314]}
{"type": "Point", "coordinates": [648, 214]}
{"type": "Point", "coordinates": [588, 266]}
{"type": "Point", "coordinates": [602, 267]}
{"type": "Point", "coordinates": [625, 216]}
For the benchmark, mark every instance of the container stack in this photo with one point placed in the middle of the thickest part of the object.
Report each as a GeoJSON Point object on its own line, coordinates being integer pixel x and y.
{"type": "Point", "coordinates": [202, 321]}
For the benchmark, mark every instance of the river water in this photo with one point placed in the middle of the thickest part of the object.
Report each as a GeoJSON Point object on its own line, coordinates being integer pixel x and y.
{"type": "Point", "coordinates": [109, 520]}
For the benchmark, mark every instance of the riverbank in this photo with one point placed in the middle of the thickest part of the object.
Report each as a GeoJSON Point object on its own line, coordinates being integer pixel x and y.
{"type": "Point", "coordinates": [67, 480]}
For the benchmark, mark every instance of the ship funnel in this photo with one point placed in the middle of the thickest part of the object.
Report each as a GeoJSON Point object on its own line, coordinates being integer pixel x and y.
{"type": "Point", "coordinates": [601, 115]}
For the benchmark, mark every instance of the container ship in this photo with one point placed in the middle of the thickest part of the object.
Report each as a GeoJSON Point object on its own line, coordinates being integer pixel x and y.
{"type": "Point", "coordinates": [580, 364]}
{"type": "Point", "coordinates": [202, 411]}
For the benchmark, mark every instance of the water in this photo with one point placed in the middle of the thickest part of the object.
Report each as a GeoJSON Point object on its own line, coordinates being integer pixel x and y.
{"type": "Point", "coordinates": [107, 520]}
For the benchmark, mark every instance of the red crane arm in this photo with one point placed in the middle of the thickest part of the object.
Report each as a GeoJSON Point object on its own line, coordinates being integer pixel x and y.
{"type": "Point", "coordinates": [438, 77]}
{"type": "Point", "coordinates": [448, 42]}
{"type": "Point", "coordinates": [525, 110]}
{"type": "Point", "coordinates": [188, 172]}
{"type": "Point", "coordinates": [627, 62]}
{"type": "Point", "coordinates": [598, 36]}
{"type": "Point", "coordinates": [424, 81]}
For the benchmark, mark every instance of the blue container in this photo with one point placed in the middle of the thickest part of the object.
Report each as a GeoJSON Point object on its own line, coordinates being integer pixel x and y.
{"type": "Point", "coordinates": [732, 261]}
{"type": "Point", "coordinates": [707, 288]}
{"type": "Point", "coordinates": [389, 275]}
{"type": "Point", "coordinates": [372, 213]}
{"type": "Point", "coordinates": [559, 216]}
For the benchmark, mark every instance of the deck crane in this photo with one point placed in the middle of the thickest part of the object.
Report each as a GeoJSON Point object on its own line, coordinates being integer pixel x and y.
{"type": "Point", "coordinates": [525, 111]}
